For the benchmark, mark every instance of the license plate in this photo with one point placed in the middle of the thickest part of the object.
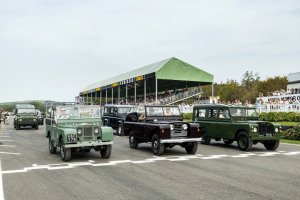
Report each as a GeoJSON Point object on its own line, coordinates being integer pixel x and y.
{"type": "Point", "coordinates": [269, 135]}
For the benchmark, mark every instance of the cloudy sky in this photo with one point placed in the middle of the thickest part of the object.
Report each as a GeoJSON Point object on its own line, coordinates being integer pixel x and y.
{"type": "Point", "coordinates": [52, 49]}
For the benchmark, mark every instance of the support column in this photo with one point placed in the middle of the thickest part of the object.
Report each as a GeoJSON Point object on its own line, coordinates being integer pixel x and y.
{"type": "Point", "coordinates": [145, 92]}
{"type": "Point", "coordinates": [156, 90]}
{"type": "Point", "coordinates": [135, 92]}
{"type": "Point", "coordinates": [96, 97]}
{"type": "Point", "coordinates": [106, 96]}
{"type": "Point", "coordinates": [100, 97]}
{"type": "Point", "coordinates": [212, 92]}
{"type": "Point", "coordinates": [112, 95]}
{"type": "Point", "coordinates": [126, 94]}
{"type": "Point", "coordinates": [119, 94]}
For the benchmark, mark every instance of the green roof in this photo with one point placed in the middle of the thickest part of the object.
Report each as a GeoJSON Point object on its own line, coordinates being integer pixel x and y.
{"type": "Point", "coordinates": [169, 69]}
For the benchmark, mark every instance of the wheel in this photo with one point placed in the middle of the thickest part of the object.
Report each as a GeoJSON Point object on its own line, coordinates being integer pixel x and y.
{"type": "Point", "coordinates": [105, 151]}
{"type": "Point", "coordinates": [65, 152]}
{"type": "Point", "coordinates": [271, 145]}
{"type": "Point", "coordinates": [105, 123]}
{"type": "Point", "coordinates": [191, 147]}
{"type": "Point", "coordinates": [18, 127]}
{"type": "Point", "coordinates": [52, 148]}
{"type": "Point", "coordinates": [87, 150]}
{"type": "Point", "coordinates": [120, 129]}
{"type": "Point", "coordinates": [244, 142]}
{"type": "Point", "coordinates": [227, 142]}
{"type": "Point", "coordinates": [36, 127]}
{"type": "Point", "coordinates": [205, 138]}
{"type": "Point", "coordinates": [157, 147]}
{"type": "Point", "coordinates": [132, 141]}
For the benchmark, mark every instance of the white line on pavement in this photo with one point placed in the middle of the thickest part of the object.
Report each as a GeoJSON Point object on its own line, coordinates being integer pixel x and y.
{"type": "Point", "coordinates": [4, 136]}
{"type": "Point", "coordinates": [60, 166]}
{"type": "Point", "coordinates": [4, 145]}
{"type": "Point", "coordinates": [6, 140]}
{"type": "Point", "coordinates": [1, 183]}
{"type": "Point", "coordinates": [11, 153]}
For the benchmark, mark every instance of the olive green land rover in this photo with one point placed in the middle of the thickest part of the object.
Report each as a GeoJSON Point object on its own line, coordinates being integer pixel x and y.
{"type": "Point", "coordinates": [235, 123]}
{"type": "Point", "coordinates": [25, 115]}
{"type": "Point", "coordinates": [75, 128]}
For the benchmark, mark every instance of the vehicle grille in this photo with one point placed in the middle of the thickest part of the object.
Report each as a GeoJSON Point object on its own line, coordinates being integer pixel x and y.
{"type": "Point", "coordinates": [178, 132]}
{"type": "Point", "coordinates": [177, 128]}
{"type": "Point", "coordinates": [264, 128]}
{"type": "Point", "coordinates": [88, 132]}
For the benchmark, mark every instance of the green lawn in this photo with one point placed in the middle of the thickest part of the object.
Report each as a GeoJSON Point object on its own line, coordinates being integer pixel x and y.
{"type": "Point", "coordinates": [287, 123]}
{"type": "Point", "coordinates": [290, 141]}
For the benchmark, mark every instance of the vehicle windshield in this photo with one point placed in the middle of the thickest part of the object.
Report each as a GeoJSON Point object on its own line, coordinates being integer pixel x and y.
{"type": "Point", "coordinates": [163, 111]}
{"type": "Point", "coordinates": [123, 110]}
{"type": "Point", "coordinates": [243, 112]}
{"type": "Point", "coordinates": [71, 112]}
{"type": "Point", "coordinates": [26, 110]}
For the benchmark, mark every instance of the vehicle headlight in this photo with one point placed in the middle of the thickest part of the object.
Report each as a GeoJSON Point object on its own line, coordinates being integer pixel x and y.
{"type": "Point", "coordinates": [184, 127]}
{"type": "Point", "coordinates": [171, 127]}
{"type": "Point", "coordinates": [79, 131]}
{"type": "Point", "coordinates": [20, 120]}
{"type": "Point", "coordinates": [276, 129]}
{"type": "Point", "coordinates": [254, 129]}
{"type": "Point", "coordinates": [96, 130]}
{"type": "Point", "coordinates": [34, 120]}
{"type": "Point", "coordinates": [71, 138]}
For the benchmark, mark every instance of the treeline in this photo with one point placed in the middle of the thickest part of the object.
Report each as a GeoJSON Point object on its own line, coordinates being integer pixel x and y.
{"type": "Point", "coordinates": [12, 105]}
{"type": "Point", "coordinates": [247, 89]}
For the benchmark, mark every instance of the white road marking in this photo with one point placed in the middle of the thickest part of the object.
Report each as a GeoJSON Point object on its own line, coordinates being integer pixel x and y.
{"type": "Point", "coordinates": [292, 153]}
{"type": "Point", "coordinates": [4, 145]}
{"type": "Point", "coordinates": [61, 166]}
{"type": "Point", "coordinates": [4, 136]}
{"type": "Point", "coordinates": [11, 153]}
{"type": "Point", "coordinates": [6, 141]}
{"type": "Point", "coordinates": [1, 183]}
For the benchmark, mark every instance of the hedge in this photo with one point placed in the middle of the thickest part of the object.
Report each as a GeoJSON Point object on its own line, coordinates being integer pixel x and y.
{"type": "Point", "coordinates": [280, 116]}
{"type": "Point", "coordinates": [292, 133]}
{"type": "Point", "coordinates": [270, 116]}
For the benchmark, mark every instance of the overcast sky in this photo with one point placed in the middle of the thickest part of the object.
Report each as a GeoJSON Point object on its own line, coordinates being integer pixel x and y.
{"type": "Point", "coordinates": [52, 49]}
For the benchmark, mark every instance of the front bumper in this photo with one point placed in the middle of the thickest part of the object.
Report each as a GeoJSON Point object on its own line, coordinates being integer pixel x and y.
{"type": "Point", "coordinates": [88, 144]}
{"type": "Point", "coordinates": [181, 140]}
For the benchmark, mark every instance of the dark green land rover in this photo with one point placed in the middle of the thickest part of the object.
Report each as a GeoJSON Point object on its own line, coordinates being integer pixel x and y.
{"type": "Point", "coordinates": [25, 115]}
{"type": "Point", "coordinates": [235, 123]}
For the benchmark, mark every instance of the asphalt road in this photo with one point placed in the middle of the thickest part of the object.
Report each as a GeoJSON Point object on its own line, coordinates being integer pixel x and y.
{"type": "Point", "coordinates": [217, 171]}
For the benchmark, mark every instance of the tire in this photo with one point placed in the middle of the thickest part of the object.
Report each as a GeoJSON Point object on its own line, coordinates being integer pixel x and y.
{"type": "Point", "coordinates": [52, 148]}
{"type": "Point", "coordinates": [120, 129]}
{"type": "Point", "coordinates": [65, 152]}
{"type": "Point", "coordinates": [37, 127]}
{"type": "Point", "coordinates": [157, 147]}
{"type": "Point", "coordinates": [132, 141]}
{"type": "Point", "coordinates": [228, 142]}
{"type": "Point", "coordinates": [205, 139]}
{"type": "Point", "coordinates": [105, 151]}
{"type": "Point", "coordinates": [191, 147]}
{"type": "Point", "coordinates": [17, 127]}
{"type": "Point", "coordinates": [105, 123]}
{"type": "Point", "coordinates": [271, 145]}
{"type": "Point", "coordinates": [244, 142]}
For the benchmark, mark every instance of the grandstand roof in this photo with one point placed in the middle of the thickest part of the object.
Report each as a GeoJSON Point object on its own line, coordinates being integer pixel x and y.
{"type": "Point", "coordinates": [169, 69]}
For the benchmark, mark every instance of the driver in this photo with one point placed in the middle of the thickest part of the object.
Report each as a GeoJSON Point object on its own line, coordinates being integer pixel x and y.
{"type": "Point", "coordinates": [63, 114]}
{"type": "Point", "coordinates": [168, 112]}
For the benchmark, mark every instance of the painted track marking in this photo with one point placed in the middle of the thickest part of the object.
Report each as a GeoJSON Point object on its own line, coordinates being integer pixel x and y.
{"type": "Point", "coordinates": [61, 166]}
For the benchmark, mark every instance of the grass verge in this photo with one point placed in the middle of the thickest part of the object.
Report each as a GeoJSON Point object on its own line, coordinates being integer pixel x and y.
{"type": "Point", "coordinates": [290, 141]}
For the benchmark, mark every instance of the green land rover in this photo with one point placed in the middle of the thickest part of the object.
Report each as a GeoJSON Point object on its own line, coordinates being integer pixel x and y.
{"type": "Point", "coordinates": [25, 115]}
{"type": "Point", "coordinates": [75, 128]}
{"type": "Point", "coordinates": [235, 123]}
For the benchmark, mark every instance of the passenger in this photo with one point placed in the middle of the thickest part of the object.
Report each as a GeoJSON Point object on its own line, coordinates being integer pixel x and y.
{"type": "Point", "coordinates": [168, 112]}
{"type": "Point", "coordinates": [221, 115]}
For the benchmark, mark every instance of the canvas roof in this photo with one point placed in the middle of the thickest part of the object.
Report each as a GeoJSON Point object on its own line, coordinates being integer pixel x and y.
{"type": "Point", "coordinates": [169, 69]}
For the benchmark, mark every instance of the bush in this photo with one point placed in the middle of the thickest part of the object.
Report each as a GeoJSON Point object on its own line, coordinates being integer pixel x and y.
{"type": "Point", "coordinates": [292, 133]}
{"type": "Point", "coordinates": [187, 116]}
{"type": "Point", "coordinates": [280, 116]}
